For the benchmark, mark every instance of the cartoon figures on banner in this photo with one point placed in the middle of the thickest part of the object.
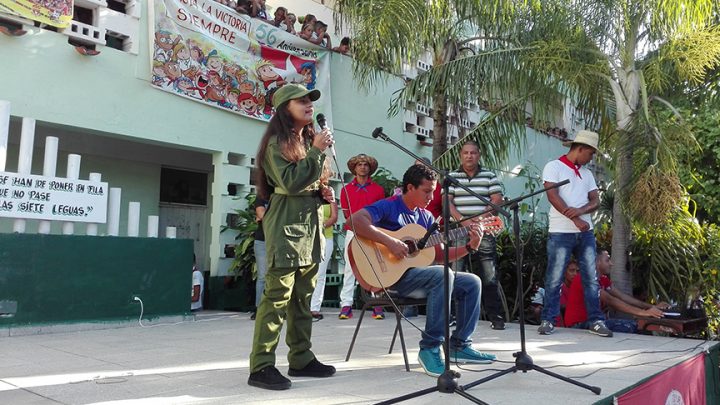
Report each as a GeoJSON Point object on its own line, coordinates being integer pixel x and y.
{"type": "Point", "coordinates": [164, 45]}
{"type": "Point", "coordinates": [193, 69]}
{"type": "Point", "coordinates": [265, 71]}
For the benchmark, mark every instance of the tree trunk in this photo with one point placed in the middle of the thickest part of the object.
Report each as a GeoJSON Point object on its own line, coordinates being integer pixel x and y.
{"type": "Point", "coordinates": [627, 96]}
{"type": "Point", "coordinates": [439, 117]}
{"type": "Point", "coordinates": [620, 272]}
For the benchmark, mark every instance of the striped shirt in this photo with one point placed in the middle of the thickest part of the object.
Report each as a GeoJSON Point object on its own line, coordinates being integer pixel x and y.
{"type": "Point", "coordinates": [484, 183]}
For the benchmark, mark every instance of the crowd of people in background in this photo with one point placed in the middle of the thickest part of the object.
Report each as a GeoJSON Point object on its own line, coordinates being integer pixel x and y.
{"type": "Point", "coordinates": [311, 29]}
{"type": "Point", "coordinates": [556, 132]}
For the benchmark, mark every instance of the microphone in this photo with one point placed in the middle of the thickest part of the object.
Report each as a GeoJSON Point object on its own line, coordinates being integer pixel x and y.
{"type": "Point", "coordinates": [322, 123]}
{"type": "Point", "coordinates": [424, 240]}
{"type": "Point", "coordinates": [377, 132]}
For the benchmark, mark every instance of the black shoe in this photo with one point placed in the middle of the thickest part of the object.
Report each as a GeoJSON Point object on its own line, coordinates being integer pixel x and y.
{"type": "Point", "coordinates": [313, 369]}
{"type": "Point", "coordinates": [498, 325]}
{"type": "Point", "coordinates": [270, 379]}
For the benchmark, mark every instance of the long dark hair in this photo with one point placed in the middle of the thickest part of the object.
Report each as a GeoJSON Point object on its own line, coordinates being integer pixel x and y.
{"type": "Point", "coordinates": [282, 126]}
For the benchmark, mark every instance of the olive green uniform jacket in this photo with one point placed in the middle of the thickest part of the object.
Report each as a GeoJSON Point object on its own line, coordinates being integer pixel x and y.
{"type": "Point", "coordinates": [293, 223]}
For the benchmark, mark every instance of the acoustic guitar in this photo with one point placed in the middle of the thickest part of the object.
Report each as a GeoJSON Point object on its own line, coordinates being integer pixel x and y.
{"type": "Point", "coordinates": [375, 267]}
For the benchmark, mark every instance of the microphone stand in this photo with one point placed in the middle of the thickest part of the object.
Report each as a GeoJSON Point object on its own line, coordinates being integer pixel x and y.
{"type": "Point", "coordinates": [447, 382]}
{"type": "Point", "coordinates": [523, 362]}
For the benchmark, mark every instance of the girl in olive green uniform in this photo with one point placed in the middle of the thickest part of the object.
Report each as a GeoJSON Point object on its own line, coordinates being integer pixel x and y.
{"type": "Point", "coordinates": [290, 162]}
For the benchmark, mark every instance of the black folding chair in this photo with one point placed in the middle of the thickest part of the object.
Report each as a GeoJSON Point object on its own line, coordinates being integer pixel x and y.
{"type": "Point", "coordinates": [382, 300]}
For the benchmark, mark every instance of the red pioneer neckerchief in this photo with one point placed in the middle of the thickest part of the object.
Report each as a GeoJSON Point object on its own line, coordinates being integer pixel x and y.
{"type": "Point", "coordinates": [568, 163]}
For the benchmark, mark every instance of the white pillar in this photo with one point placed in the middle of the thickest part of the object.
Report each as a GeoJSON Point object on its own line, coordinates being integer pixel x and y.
{"type": "Point", "coordinates": [4, 132]}
{"type": "Point", "coordinates": [152, 227]}
{"type": "Point", "coordinates": [133, 226]}
{"type": "Point", "coordinates": [170, 232]}
{"type": "Point", "coordinates": [73, 173]}
{"type": "Point", "coordinates": [113, 222]}
{"type": "Point", "coordinates": [49, 168]}
{"type": "Point", "coordinates": [27, 139]}
{"type": "Point", "coordinates": [92, 229]}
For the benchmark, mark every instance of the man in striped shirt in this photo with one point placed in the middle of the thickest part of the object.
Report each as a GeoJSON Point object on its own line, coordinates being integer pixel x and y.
{"type": "Point", "coordinates": [462, 204]}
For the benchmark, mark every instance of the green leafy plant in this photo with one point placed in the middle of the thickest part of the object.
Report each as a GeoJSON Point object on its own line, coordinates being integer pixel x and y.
{"type": "Point", "coordinates": [386, 180]}
{"type": "Point", "coordinates": [245, 226]}
{"type": "Point", "coordinates": [533, 237]}
{"type": "Point", "coordinates": [678, 260]}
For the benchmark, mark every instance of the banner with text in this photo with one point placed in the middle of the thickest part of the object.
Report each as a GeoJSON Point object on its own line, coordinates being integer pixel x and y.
{"type": "Point", "coordinates": [57, 13]}
{"type": "Point", "coordinates": [52, 198]}
{"type": "Point", "coordinates": [207, 52]}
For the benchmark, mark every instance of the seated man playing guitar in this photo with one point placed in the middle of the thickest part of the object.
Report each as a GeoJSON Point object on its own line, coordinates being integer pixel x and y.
{"type": "Point", "coordinates": [378, 250]}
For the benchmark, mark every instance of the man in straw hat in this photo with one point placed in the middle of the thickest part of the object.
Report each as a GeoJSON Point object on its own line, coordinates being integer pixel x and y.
{"type": "Point", "coordinates": [356, 195]}
{"type": "Point", "coordinates": [570, 231]}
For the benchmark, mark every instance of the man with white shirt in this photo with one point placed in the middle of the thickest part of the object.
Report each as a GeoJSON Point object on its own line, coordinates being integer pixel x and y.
{"type": "Point", "coordinates": [571, 232]}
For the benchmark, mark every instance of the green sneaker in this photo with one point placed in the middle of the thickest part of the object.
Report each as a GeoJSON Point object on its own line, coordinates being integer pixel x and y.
{"type": "Point", "coordinates": [470, 355]}
{"type": "Point", "coordinates": [431, 361]}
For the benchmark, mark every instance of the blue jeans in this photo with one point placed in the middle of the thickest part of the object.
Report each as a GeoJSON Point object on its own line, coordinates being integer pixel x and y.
{"type": "Point", "coordinates": [559, 248]}
{"type": "Point", "coordinates": [614, 324]}
{"type": "Point", "coordinates": [466, 290]}
{"type": "Point", "coordinates": [259, 248]}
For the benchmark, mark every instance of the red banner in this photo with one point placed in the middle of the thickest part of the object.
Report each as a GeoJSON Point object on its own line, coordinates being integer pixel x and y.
{"type": "Point", "coordinates": [683, 384]}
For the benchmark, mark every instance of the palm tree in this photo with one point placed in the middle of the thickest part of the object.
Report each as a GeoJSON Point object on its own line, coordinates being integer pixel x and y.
{"type": "Point", "coordinates": [609, 58]}
{"type": "Point", "coordinates": [390, 34]}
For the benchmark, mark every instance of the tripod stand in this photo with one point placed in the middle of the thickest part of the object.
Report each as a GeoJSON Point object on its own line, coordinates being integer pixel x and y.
{"type": "Point", "coordinates": [447, 382]}
{"type": "Point", "coordinates": [523, 362]}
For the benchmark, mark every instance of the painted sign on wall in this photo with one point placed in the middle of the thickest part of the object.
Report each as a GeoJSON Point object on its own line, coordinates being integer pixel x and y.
{"type": "Point", "coordinates": [52, 198]}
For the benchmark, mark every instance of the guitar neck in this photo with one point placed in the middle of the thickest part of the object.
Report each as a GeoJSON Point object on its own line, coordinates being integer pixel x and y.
{"type": "Point", "coordinates": [454, 234]}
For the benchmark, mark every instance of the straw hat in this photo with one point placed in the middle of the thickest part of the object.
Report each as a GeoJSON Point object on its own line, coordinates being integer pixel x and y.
{"type": "Point", "coordinates": [371, 161]}
{"type": "Point", "coordinates": [585, 137]}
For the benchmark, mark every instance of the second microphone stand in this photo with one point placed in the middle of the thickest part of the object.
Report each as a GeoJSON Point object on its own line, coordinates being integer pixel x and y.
{"type": "Point", "coordinates": [523, 361]}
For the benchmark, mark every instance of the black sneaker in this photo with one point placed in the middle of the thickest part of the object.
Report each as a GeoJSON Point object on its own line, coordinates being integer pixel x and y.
{"type": "Point", "coordinates": [269, 378]}
{"type": "Point", "coordinates": [599, 328]}
{"type": "Point", "coordinates": [313, 369]}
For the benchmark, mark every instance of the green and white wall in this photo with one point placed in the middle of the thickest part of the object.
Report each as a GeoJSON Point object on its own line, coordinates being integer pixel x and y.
{"type": "Point", "coordinates": [104, 108]}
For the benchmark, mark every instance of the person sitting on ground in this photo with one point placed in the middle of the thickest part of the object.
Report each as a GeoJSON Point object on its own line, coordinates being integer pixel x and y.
{"type": "Point", "coordinates": [537, 301]}
{"type": "Point", "coordinates": [392, 214]}
{"type": "Point", "coordinates": [610, 298]}
{"type": "Point", "coordinates": [571, 271]}
{"type": "Point", "coordinates": [344, 47]}
{"type": "Point", "coordinates": [320, 36]}
{"type": "Point", "coordinates": [280, 15]}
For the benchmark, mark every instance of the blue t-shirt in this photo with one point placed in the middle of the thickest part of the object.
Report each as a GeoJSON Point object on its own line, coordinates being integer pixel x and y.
{"type": "Point", "coordinates": [392, 214]}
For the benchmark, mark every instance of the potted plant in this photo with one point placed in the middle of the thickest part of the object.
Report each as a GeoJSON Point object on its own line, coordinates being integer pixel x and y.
{"type": "Point", "coordinates": [239, 287]}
